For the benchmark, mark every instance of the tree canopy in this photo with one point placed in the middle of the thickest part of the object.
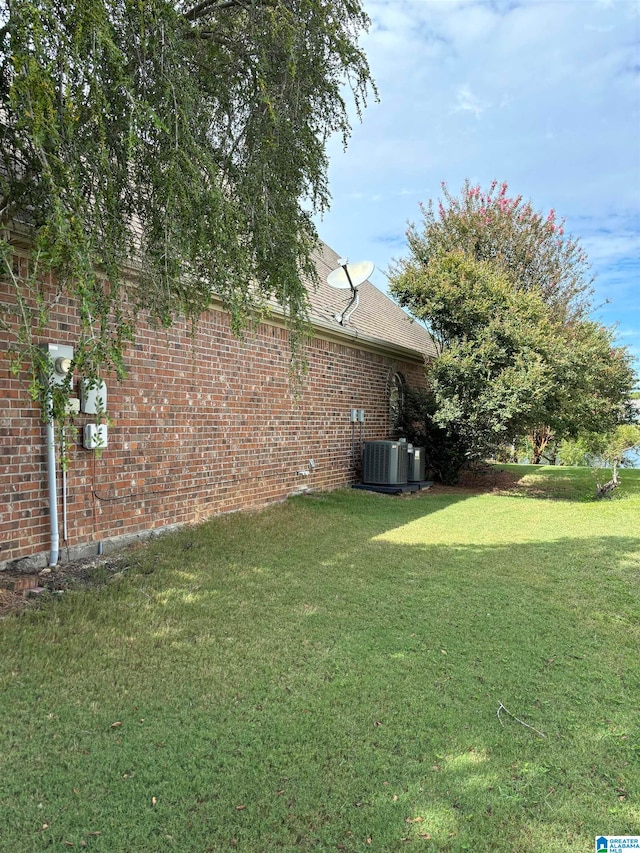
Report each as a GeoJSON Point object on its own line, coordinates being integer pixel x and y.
{"type": "Point", "coordinates": [491, 225]}
{"type": "Point", "coordinates": [506, 296]}
{"type": "Point", "coordinates": [160, 152]}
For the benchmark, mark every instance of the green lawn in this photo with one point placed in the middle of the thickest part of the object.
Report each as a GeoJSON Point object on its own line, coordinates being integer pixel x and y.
{"type": "Point", "coordinates": [327, 675]}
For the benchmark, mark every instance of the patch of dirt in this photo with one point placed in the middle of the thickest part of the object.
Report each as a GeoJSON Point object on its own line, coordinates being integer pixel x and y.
{"type": "Point", "coordinates": [485, 480]}
{"type": "Point", "coordinates": [95, 571]}
{"type": "Point", "coordinates": [491, 480]}
{"type": "Point", "coordinates": [77, 574]}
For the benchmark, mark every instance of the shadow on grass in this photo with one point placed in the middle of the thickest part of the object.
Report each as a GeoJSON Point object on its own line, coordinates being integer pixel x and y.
{"type": "Point", "coordinates": [396, 658]}
{"type": "Point", "coordinates": [304, 678]}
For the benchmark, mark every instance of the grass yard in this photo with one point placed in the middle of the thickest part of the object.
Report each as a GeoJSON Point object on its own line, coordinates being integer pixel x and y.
{"type": "Point", "coordinates": [450, 671]}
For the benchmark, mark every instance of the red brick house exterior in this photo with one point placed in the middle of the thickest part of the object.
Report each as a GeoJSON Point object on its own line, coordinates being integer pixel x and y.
{"type": "Point", "coordinates": [206, 425]}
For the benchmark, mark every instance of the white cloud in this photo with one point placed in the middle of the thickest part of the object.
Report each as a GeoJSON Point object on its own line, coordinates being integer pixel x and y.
{"type": "Point", "coordinates": [540, 93]}
{"type": "Point", "coordinates": [466, 101]}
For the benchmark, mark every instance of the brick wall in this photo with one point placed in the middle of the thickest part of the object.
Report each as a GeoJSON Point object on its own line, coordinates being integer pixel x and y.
{"type": "Point", "coordinates": [200, 426]}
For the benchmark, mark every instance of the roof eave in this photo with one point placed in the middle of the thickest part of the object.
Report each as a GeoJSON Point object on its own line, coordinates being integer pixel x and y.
{"type": "Point", "coordinates": [331, 331]}
{"type": "Point", "coordinates": [345, 334]}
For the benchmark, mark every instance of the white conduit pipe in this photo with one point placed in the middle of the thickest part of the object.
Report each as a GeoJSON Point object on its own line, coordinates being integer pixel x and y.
{"type": "Point", "coordinates": [63, 453]}
{"type": "Point", "coordinates": [53, 491]}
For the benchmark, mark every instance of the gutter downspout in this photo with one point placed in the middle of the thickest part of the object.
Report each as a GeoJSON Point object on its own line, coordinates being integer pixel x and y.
{"type": "Point", "coordinates": [59, 360]}
{"type": "Point", "coordinates": [53, 490]}
{"type": "Point", "coordinates": [63, 456]}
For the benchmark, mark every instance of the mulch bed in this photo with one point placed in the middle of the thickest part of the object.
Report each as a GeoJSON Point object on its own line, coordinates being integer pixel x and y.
{"type": "Point", "coordinates": [485, 480]}
{"type": "Point", "coordinates": [12, 602]}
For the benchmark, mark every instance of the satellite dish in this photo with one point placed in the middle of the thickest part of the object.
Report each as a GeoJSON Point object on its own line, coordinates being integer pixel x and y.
{"type": "Point", "coordinates": [350, 276]}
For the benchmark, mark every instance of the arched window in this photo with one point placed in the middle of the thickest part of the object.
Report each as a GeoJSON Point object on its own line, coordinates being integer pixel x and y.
{"type": "Point", "coordinates": [396, 401]}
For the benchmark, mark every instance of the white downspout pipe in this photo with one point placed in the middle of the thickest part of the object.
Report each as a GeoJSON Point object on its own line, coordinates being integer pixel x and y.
{"type": "Point", "coordinates": [63, 457]}
{"type": "Point", "coordinates": [53, 490]}
{"type": "Point", "coordinates": [60, 362]}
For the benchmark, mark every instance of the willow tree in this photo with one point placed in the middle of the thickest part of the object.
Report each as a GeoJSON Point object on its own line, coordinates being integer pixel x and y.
{"type": "Point", "coordinates": [156, 153]}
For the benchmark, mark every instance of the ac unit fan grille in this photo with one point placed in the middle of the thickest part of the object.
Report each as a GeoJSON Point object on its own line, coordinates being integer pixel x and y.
{"type": "Point", "coordinates": [385, 463]}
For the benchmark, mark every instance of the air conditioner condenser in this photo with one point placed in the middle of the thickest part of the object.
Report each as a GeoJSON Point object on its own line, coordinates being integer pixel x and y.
{"type": "Point", "coordinates": [385, 463]}
{"type": "Point", "coordinates": [417, 465]}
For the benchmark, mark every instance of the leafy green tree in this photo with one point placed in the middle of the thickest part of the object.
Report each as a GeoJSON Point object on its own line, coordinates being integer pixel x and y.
{"type": "Point", "coordinates": [156, 152]}
{"type": "Point", "coordinates": [445, 450]}
{"type": "Point", "coordinates": [607, 450]}
{"type": "Point", "coordinates": [575, 451]}
{"type": "Point", "coordinates": [570, 376]}
{"type": "Point", "coordinates": [593, 378]}
{"type": "Point", "coordinates": [531, 248]}
{"type": "Point", "coordinates": [506, 363]}
{"type": "Point", "coordinates": [492, 375]}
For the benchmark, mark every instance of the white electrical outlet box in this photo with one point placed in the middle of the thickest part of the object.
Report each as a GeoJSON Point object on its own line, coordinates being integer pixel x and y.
{"type": "Point", "coordinates": [73, 406]}
{"type": "Point", "coordinates": [93, 399]}
{"type": "Point", "coordinates": [361, 416]}
{"type": "Point", "coordinates": [354, 416]}
{"type": "Point", "coordinates": [94, 436]}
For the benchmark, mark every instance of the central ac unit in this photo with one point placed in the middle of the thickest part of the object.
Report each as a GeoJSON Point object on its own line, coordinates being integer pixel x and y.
{"type": "Point", "coordinates": [385, 463]}
{"type": "Point", "coordinates": [417, 465]}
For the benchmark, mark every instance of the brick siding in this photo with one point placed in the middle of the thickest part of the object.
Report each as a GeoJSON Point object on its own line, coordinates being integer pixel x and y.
{"type": "Point", "coordinates": [201, 425]}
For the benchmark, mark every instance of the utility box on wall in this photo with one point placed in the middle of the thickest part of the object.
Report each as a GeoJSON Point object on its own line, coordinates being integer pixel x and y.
{"type": "Point", "coordinates": [93, 399]}
{"type": "Point", "coordinates": [94, 436]}
{"type": "Point", "coordinates": [60, 357]}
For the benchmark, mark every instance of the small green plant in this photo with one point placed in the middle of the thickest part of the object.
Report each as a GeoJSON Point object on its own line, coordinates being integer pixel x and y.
{"type": "Point", "coordinates": [603, 452]}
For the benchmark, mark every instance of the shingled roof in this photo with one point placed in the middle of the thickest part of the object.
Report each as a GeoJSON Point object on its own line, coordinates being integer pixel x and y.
{"type": "Point", "coordinates": [376, 318]}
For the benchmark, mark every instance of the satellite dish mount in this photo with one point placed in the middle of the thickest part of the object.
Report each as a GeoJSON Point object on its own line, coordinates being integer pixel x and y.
{"type": "Point", "coordinates": [349, 277]}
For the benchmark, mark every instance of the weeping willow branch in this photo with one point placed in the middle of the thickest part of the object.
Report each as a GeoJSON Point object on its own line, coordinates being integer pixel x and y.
{"type": "Point", "coordinates": [199, 162]}
{"type": "Point", "coordinates": [211, 6]}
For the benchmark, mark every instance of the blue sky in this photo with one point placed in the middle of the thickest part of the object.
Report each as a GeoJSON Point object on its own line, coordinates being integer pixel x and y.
{"type": "Point", "coordinates": [543, 94]}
